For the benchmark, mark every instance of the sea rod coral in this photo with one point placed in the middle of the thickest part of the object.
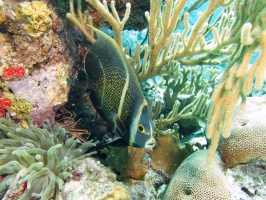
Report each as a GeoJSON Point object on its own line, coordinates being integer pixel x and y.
{"type": "Point", "coordinates": [246, 66]}
{"type": "Point", "coordinates": [39, 158]}
{"type": "Point", "coordinates": [227, 32]}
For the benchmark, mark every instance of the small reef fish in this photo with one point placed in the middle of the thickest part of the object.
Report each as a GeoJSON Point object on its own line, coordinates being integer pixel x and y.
{"type": "Point", "coordinates": [115, 92]}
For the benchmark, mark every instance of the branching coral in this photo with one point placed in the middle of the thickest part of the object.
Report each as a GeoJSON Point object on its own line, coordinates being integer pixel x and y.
{"type": "Point", "coordinates": [189, 47]}
{"type": "Point", "coordinates": [102, 8]}
{"type": "Point", "coordinates": [46, 156]}
{"type": "Point", "coordinates": [190, 85]}
{"type": "Point", "coordinates": [196, 109]}
{"type": "Point", "coordinates": [248, 63]}
{"type": "Point", "coordinates": [227, 32]}
{"type": "Point", "coordinates": [236, 37]}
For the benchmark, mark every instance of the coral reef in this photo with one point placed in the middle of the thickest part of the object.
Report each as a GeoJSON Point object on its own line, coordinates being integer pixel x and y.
{"type": "Point", "coordinates": [168, 153]}
{"type": "Point", "coordinates": [230, 34]}
{"type": "Point", "coordinates": [13, 72]}
{"type": "Point", "coordinates": [4, 104]}
{"type": "Point", "coordinates": [47, 90]}
{"type": "Point", "coordinates": [116, 159]}
{"type": "Point", "coordinates": [32, 53]}
{"type": "Point", "coordinates": [195, 180]}
{"type": "Point", "coordinates": [2, 16]}
{"type": "Point", "coordinates": [247, 64]}
{"type": "Point", "coordinates": [2, 13]}
{"type": "Point", "coordinates": [187, 81]}
{"type": "Point", "coordinates": [251, 178]}
{"type": "Point", "coordinates": [185, 99]}
{"type": "Point", "coordinates": [150, 187]}
{"type": "Point", "coordinates": [137, 163]}
{"type": "Point", "coordinates": [127, 162]}
{"type": "Point", "coordinates": [41, 158]}
{"type": "Point", "coordinates": [137, 20]}
{"type": "Point", "coordinates": [36, 14]}
{"type": "Point", "coordinates": [248, 134]}
{"type": "Point", "coordinates": [17, 108]}
{"type": "Point", "coordinates": [45, 61]}
{"type": "Point", "coordinates": [94, 181]}
{"type": "Point", "coordinates": [246, 144]}
{"type": "Point", "coordinates": [230, 38]}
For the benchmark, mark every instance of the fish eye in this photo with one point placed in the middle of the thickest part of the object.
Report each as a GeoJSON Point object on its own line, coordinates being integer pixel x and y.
{"type": "Point", "coordinates": [141, 128]}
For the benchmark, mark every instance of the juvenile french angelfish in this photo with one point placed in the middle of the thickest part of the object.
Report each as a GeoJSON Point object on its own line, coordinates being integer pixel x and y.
{"type": "Point", "coordinates": [115, 92]}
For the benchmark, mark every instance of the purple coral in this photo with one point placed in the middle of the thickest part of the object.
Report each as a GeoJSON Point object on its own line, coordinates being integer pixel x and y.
{"type": "Point", "coordinates": [44, 91]}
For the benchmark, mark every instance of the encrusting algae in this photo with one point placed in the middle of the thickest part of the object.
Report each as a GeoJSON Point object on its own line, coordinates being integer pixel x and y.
{"type": "Point", "coordinates": [37, 15]}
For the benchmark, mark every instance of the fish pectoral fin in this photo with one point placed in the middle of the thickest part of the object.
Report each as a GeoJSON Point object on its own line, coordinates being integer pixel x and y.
{"type": "Point", "coordinates": [81, 80]}
{"type": "Point", "coordinates": [119, 125]}
{"type": "Point", "coordinates": [132, 144]}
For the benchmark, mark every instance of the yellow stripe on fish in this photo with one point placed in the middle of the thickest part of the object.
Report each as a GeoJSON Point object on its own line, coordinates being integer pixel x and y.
{"type": "Point", "coordinates": [115, 92]}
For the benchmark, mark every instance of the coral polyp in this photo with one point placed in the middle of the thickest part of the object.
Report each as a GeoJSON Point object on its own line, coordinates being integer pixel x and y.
{"type": "Point", "coordinates": [13, 72]}
{"type": "Point", "coordinates": [41, 158]}
{"type": "Point", "coordinates": [4, 103]}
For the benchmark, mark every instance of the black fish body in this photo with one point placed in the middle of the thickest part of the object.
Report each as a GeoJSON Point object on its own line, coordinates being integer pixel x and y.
{"type": "Point", "coordinates": [115, 92]}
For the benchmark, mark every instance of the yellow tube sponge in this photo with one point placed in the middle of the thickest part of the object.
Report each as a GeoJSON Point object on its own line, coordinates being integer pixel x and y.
{"type": "Point", "coordinates": [36, 14]}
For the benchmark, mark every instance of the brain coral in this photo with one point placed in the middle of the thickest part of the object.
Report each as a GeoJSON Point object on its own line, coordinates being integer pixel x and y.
{"type": "Point", "coordinates": [37, 17]}
{"type": "Point", "coordinates": [247, 141]}
{"type": "Point", "coordinates": [194, 180]}
{"type": "Point", "coordinates": [41, 159]}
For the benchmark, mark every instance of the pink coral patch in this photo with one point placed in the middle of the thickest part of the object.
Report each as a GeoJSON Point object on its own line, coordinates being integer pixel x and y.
{"type": "Point", "coordinates": [13, 72]}
{"type": "Point", "coordinates": [4, 103]}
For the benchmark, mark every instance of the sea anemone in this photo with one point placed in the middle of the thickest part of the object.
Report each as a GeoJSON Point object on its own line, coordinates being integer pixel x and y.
{"type": "Point", "coordinates": [40, 158]}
